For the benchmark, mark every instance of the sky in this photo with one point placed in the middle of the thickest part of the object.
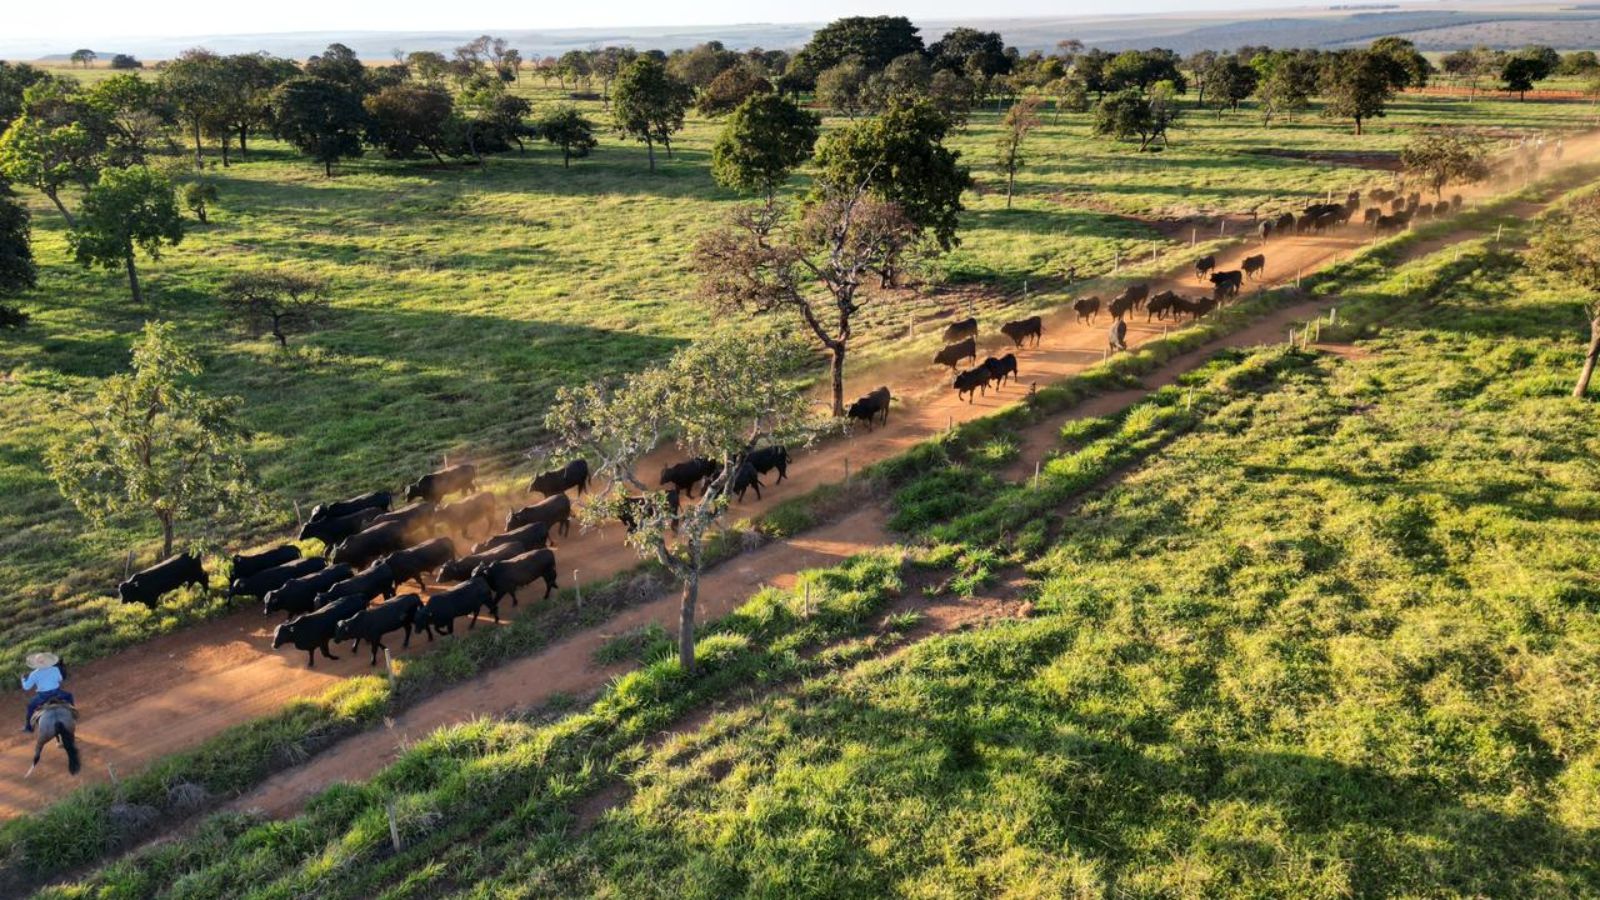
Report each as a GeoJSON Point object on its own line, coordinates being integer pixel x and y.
{"type": "Point", "coordinates": [84, 22]}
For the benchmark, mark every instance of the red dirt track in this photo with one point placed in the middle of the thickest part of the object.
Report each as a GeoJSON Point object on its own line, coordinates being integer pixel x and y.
{"type": "Point", "coordinates": [176, 691]}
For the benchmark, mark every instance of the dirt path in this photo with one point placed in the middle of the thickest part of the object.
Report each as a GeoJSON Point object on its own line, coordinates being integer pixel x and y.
{"type": "Point", "coordinates": [176, 691]}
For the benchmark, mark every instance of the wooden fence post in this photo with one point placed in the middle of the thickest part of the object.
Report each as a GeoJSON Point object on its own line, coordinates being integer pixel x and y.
{"type": "Point", "coordinates": [299, 519]}
{"type": "Point", "coordinates": [394, 827]}
{"type": "Point", "coordinates": [577, 588]}
{"type": "Point", "coordinates": [1036, 474]}
{"type": "Point", "coordinates": [808, 600]}
{"type": "Point", "coordinates": [388, 666]}
{"type": "Point", "coordinates": [847, 471]}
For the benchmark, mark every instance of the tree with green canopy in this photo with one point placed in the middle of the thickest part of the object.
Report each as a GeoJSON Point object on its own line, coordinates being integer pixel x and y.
{"type": "Point", "coordinates": [1441, 156]}
{"type": "Point", "coordinates": [277, 302]}
{"type": "Point", "coordinates": [569, 129]}
{"type": "Point", "coordinates": [153, 444]}
{"type": "Point", "coordinates": [126, 210]}
{"type": "Point", "coordinates": [407, 118]}
{"type": "Point", "coordinates": [1356, 84]}
{"type": "Point", "coordinates": [193, 85]}
{"type": "Point", "coordinates": [18, 271]}
{"type": "Point", "coordinates": [648, 104]}
{"type": "Point", "coordinates": [1015, 126]}
{"type": "Point", "coordinates": [764, 140]}
{"type": "Point", "coordinates": [718, 398]}
{"type": "Point", "coordinates": [323, 119]}
{"type": "Point", "coordinates": [1567, 248]}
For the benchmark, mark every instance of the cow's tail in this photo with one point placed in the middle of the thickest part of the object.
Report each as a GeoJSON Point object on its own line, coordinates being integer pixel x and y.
{"type": "Point", "coordinates": [69, 743]}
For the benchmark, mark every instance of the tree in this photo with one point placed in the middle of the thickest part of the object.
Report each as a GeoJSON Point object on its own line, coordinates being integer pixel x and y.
{"type": "Point", "coordinates": [1520, 72]}
{"type": "Point", "coordinates": [874, 40]}
{"type": "Point", "coordinates": [900, 157]}
{"type": "Point", "coordinates": [1285, 83]}
{"type": "Point", "coordinates": [1021, 119]}
{"type": "Point", "coordinates": [127, 210]}
{"type": "Point", "coordinates": [193, 85]}
{"type": "Point", "coordinates": [1232, 81]}
{"type": "Point", "coordinates": [276, 302]}
{"type": "Point", "coordinates": [339, 64]}
{"type": "Point", "coordinates": [1128, 114]}
{"type": "Point", "coordinates": [1357, 85]}
{"type": "Point", "coordinates": [574, 64]}
{"type": "Point", "coordinates": [570, 130]}
{"type": "Point", "coordinates": [18, 272]}
{"type": "Point", "coordinates": [125, 61]}
{"type": "Point", "coordinates": [699, 66]}
{"type": "Point", "coordinates": [953, 95]}
{"type": "Point", "coordinates": [198, 197]}
{"type": "Point", "coordinates": [50, 155]}
{"type": "Point", "coordinates": [407, 118]}
{"type": "Point", "coordinates": [730, 88]}
{"type": "Point", "coordinates": [764, 140]}
{"type": "Point", "coordinates": [133, 110]}
{"type": "Point", "coordinates": [842, 88]}
{"type": "Point", "coordinates": [1405, 66]}
{"type": "Point", "coordinates": [84, 57]}
{"type": "Point", "coordinates": [971, 52]}
{"type": "Point", "coordinates": [15, 79]}
{"type": "Point", "coordinates": [1142, 69]}
{"type": "Point", "coordinates": [648, 104]}
{"type": "Point", "coordinates": [719, 398]}
{"type": "Point", "coordinates": [811, 266]}
{"type": "Point", "coordinates": [154, 445]}
{"type": "Point", "coordinates": [1199, 65]}
{"type": "Point", "coordinates": [324, 119]}
{"type": "Point", "coordinates": [1438, 157]}
{"type": "Point", "coordinates": [1578, 63]}
{"type": "Point", "coordinates": [248, 80]}
{"type": "Point", "coordinates": [428, 66]}
{"type": "Point", "coordinates": [1568, 248]}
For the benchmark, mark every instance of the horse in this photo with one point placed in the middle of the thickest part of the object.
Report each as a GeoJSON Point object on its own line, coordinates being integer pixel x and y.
{"type": "Point", "coordinates": [56, 719]}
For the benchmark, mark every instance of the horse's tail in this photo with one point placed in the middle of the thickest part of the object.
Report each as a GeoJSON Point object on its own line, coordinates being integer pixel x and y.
{"type": "Point", "coordinates": [69, 743]}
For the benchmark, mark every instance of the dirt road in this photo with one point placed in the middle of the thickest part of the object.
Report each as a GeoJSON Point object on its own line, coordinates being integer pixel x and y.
{"type": "Point", "coordinates": [178, 690]}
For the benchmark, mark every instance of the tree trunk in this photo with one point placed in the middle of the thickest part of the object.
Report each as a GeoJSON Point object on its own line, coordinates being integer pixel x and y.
{"type": "Point", "coordinates": [199, 162]}
{"type": "Point", "coordinates": [691, 596]}
{"type": "Point", "coordinates": [566, 158]}
{"type": "Point", "coordinates": [277, 332]}
{"type": "Point", "coordinates": [224, 141]}
{"type": "Point", "coordinates": [55, 197]}
{"type": "Point", "coordinates": [1589, 359]}
{"type": "Point", "coordinates": [667, 142]}
{"type": "Point", "coordinates": [837, 372]}
{"type": "Point", "coordinates": [133, 278]}
{"type": "Point", "coordinates": [650, 147]}
{"type": "Point", "coordinates": [244, 139]}
{"type": "Point", "coordinates": [327, 167]}
{"type": "Point", "coordinates": [166, 533]}
{"type": "Point", "coordinates": [1011, 180]}
{"type": "Point", "coordinates": [1358, 125]}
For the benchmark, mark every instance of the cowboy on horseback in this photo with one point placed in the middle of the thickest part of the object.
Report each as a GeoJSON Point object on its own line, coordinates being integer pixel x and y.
{"type": "Point", "coordinates": [45, 679]}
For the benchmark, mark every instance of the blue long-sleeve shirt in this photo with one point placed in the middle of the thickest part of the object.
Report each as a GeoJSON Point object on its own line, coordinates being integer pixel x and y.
{"type": "Point", "coordinates": [41, 680]}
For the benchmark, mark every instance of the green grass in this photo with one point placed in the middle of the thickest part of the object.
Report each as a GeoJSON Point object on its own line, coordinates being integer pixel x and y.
{"type": "Point", "coordinates": [465, 297]}
{"type": "Point", "coordinates": [1327, 635]}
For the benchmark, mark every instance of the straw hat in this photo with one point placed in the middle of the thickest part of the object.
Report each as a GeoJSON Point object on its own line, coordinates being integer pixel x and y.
{"type": "Point", "coordinates": [42, 660]}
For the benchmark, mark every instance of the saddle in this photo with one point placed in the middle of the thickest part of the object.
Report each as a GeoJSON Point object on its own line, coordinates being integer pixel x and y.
{"type": "Point", "coordinates": [54, 704]}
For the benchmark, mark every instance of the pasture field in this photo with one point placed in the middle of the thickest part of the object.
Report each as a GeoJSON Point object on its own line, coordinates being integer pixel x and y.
{"type": "Point", "coordinates": [1323, 626]}
{"type": "Point", "coordinates": [465, 297]}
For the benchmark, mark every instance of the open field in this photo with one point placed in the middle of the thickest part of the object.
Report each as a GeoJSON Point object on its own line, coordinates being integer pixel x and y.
{"type": "Point", "coordinates": [1322, 627]}
{"type": "Point", "coordinates": [466, 297]}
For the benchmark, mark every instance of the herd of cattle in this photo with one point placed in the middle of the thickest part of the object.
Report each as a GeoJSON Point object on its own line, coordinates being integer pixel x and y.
{"type": "Point", "coordinates": [374, 550]}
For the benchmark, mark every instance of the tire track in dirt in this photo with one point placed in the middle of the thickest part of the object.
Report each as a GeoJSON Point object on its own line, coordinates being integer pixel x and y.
{"type": "Point", "coordinates": [175, 691]}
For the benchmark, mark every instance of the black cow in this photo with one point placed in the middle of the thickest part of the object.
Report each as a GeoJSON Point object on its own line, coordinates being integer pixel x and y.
{"type": "Point", "coordinates": [745, 477]}
{"type": "Point", "coordinates": [331, 531]}
{"type": "Point", "coordinates": [1195, 308]}
{"type": "Point", "coordinates": [949, 356]}
{"type": "Point", "coordinates": [1159, 305]}
{"type": "Point", "coordinates": [1227, 283]}
{"type": "Point", "coordinates": [445, 607]}
{"type": "Point", "coordinates": [371, 625]}
{"type": "Point", "coordinates": [416, 518]}
{"type": "Point", "coordinates": [298, 595]}
{"type": "Point", "coordinates": [436, 486]}
{"type": "Point", "coordinates": [268, 580]}
{"type": "Point", "coordinates": [245, 565]}
{"type": "Point", "coordinates": [378, 500]}
{"type": "Point", "coordinates": [1370, 217]}
{"type": "Point", "coordinates": [1254, 265]}
{"type": "Point", "coordinates": [412, 563]}
{"type": "Point", "coordinates": [148, 585]}
{"type": "Point", "coordinates": [1087, 308]}
{"type": "Point", "coordinates": [1455, 202]}
{"type": "Point", "coordinates": [1022, 329]}
{"type": "Point", "coordinates": [314, 631]}
{"type": "Point", "coordinates": [1389, 224]}
{"type": "Point", "coordinates": [1001, 369]}
{"type": "Point", "coordinates": [552, 511]}
{"type": "Point", "coordinates": [1380, 195]}
{"type": "Point", "coordinates": [629, 512]}
{"type": "Point", "coordinates": [528, 537]}
{"type": "Point", "coordinates": [573, 474]}
{"type": "Point", "coordinates": [367, 584]}
{"type": "Point", "coordinates": [966, 328]}
{"type": "Point", "coordinates": [1133, 296]}
{"type": "Point", "coordinates": [461, 569]}
{"type": "Point", "coordinates": [871, 408]}
{"type": "Point", "coordinates": [1285, 224]}
{"type": "Point", "coordinates": [363, 547]}
{"type": "Point", "coordinates": [970, 382]}
{"type": "Point", "coordinates": [1398, 205]}
{"type": "Point", "coordinates": [1203, 266]}
{"type": "Point", "coordinates": [685, 475]}
{"type": "Point", "coordinates": [463, 514]}
{"type": "Point", "coordinates": [1264, 230]}
{"type": "Point", "coordinates": [507, 576]}
{"type": "Point", "coordinates": [768, 458]}
{"type": "Point", "coordinates": [1118, 336]}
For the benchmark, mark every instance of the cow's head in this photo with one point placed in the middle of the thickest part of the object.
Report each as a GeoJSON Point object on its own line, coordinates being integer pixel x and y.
{"type": "Point", "coordinates": [283, 634]}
